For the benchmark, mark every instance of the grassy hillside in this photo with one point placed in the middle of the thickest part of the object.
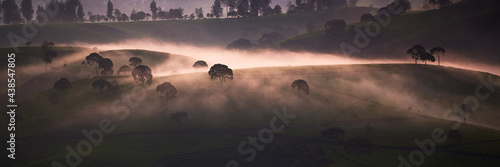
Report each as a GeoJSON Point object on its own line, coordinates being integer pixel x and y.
{"type": "Point", "coordinates": [34, 76]}
{"type": "Point", "coordinates": [211, 32]}
{"type": "Point", "coordinates": [465, 29]}
{"type": "Point", "coordinates": [406, 100]}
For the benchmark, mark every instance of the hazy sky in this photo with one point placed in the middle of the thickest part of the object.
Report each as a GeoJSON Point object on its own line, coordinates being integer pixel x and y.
{"type": "Point", "coordinates": [126, 6]}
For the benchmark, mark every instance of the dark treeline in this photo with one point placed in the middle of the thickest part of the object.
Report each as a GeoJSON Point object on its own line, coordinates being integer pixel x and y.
{"type": "Point", "coordinates": [73, 11]}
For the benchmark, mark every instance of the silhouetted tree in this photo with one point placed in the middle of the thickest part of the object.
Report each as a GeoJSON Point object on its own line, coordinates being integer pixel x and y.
{"type": "Point", "coordinates": [427, 57]}
{"type": "Point", "coordinates": [118, 14]}
{"type": "Point", "coordinates": [40, 14]}
{"type": "Point", "coordinates": [179, 117]}
{"type": "Point", "coordinates": [220, 72]}
{"type": "Point", "coordinates": [47, 62]}
{"type": "Point", "coordinates": [101, 84]}
{"type": "Point", "coordinates": [46, 45]}
{"type": "Point", "coordinates": [124, 17]}
{"type": "Point", "coordinates": [438, 51]}
{"type": "Point", "coordinates": [154, 10]}
{"type": "Point", "coordinates": [48, 58]}
{"type": "Point", "coordinates": [265, 7]}
{"type": "Point", "coordinates": [11, 13]}
{"type": "Point", "coordinates": [255, 6]}
{"type": "Point", "coordinates": [28, 43]}
{"type": "Point", "coordinates": [143, 74]}
{"type": "Point", "coordinates": [124, 69]}
{"type": "Point", "coordinates": [107, 66]}
{"type": "Point", "coordinates": [137, 16]}
{"type": "Point", "coordinates": [162, 15]}
{"type": "Point", "coordinates": [93, 60]}
{"type": "Point", "coordinates": [291, 8]}
{"type": "Point", "coordinates": [200, 64]}
{"type": "Point", "coordinates": [199, 12]}
{"type": "Point", "coordinates": [232, 14]}
{"type": "Point", "coordinates": [80, 14]}
{"type": "Point", "coordinates": [217, 9]}
{"type": "Point", "coordinates": [301, 85]}
{"type": "Point", "coordinates": [69, 10]}
{"type": "Point", "coordinates": [168, 90]}
{"type": "Point", "coordinates": [27, 10]}
{"type": "Point", "coordinates": [243, 8]}
{"type": "Point", "coordinates": [335, 134]}
{"type": "Point", "coordinates": [135, 61]}
{"type": "Point", "coordinates": [62, 84]}
{"type": "Point", "coordinates": [176, 13]}
{"type": "Point", "coordinates": [277, 10]}
{"type": "Point", "coordinates": [455, 134]}
{"type": "Point", "coordinates": [109, 11]}
{"type": "Point", "coordinates": [415, 52]}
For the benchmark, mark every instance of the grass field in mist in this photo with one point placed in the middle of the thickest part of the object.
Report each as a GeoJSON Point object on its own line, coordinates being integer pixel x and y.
{"type": "Point", "coordinates": [402, 102]}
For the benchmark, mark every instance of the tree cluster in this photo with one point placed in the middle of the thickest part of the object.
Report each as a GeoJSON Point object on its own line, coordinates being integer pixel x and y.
{"type": "Point", "coordinates": [418, 52]}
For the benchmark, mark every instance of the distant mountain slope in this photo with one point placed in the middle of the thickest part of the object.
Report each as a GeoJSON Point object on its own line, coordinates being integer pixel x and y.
{"type": "Point", "coordinates": [211, 32]}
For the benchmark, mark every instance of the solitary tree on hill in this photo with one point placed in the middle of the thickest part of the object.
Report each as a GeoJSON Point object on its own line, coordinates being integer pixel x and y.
{"type": "Point", "coordinates": [62, 84]}
{"type": "Point", "coordinates": [301, 85]}
{"type": "Point", "coordinates": [200, 64]}
{"type": "Point", "coordinates": [101, 84]}
{"type": "Point", "coordinates": [220, 72]}
{"type": "Point", "coordinates": [168, 90]}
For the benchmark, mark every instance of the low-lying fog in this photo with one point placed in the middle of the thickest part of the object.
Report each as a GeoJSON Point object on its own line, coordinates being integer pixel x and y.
{"type": "Point", "coordinates": [264, 58]}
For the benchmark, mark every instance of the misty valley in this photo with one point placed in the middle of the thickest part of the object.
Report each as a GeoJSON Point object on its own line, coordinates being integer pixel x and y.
{"type": "Point", "coordinates": [306, 83]}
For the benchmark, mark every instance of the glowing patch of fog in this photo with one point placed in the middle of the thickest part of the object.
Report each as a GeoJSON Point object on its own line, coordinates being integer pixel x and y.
{"type": "Point", "coordinates": [237, 59]}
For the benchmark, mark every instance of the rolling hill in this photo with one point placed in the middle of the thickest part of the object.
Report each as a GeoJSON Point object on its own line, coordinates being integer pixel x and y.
{"type": "Point", "coordinates": [466, 29]}
{"type": "Point", "coordinates": [351, 97]}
